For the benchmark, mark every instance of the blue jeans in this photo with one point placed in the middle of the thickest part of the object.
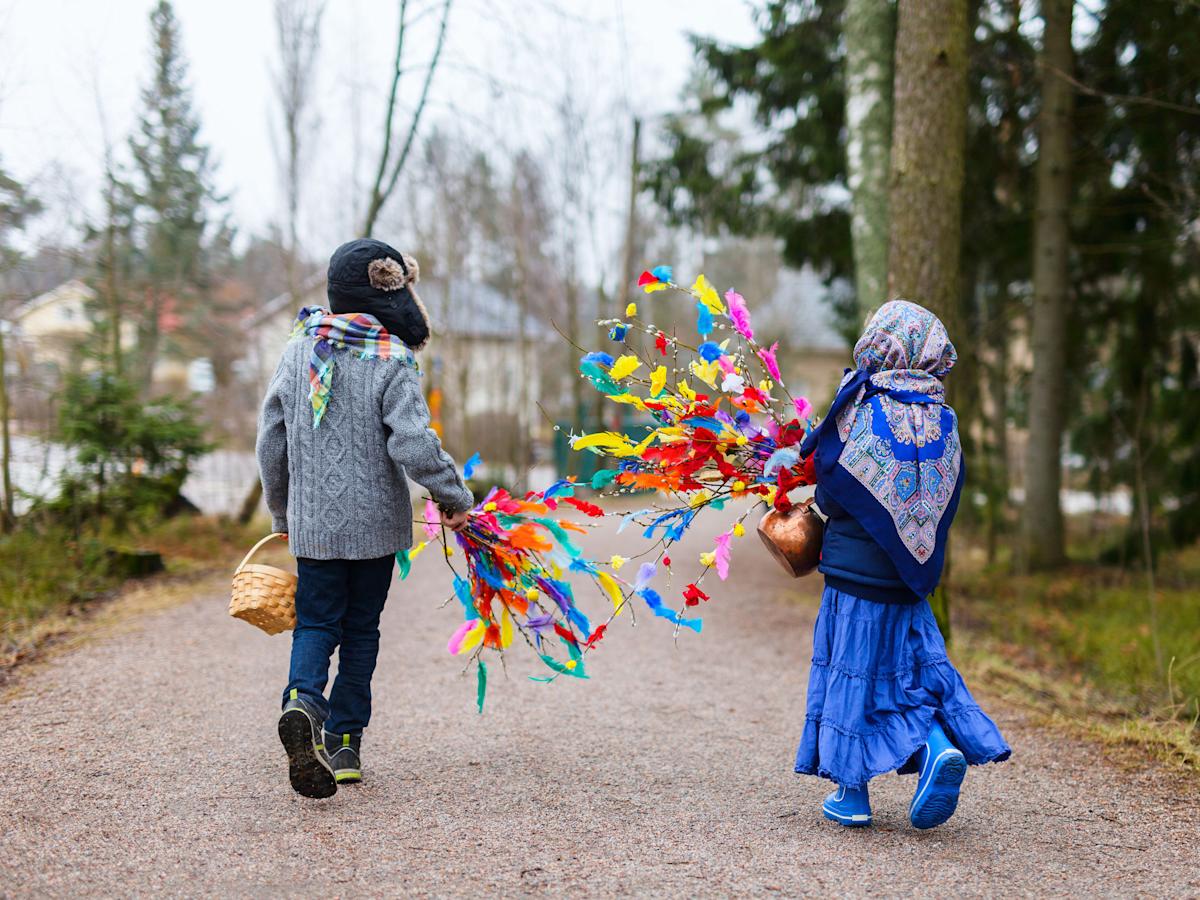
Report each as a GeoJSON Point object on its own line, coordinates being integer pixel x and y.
{"type": "Point", "coordinates": [338, 603]}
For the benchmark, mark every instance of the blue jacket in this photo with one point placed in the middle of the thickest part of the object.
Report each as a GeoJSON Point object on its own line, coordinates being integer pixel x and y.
{"type": "Point", "coordinates": [853, 562]}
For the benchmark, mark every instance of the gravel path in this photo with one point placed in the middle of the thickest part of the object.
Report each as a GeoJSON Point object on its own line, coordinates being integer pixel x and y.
{"type": "Point", "coordinates": [147, 763]}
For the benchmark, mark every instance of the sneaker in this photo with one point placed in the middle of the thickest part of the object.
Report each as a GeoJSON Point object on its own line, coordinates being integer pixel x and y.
{"type": "Point", "coordinates": [345, 755]}
{"type": "Point", "coordinates": [942, 767]}
{"type": "Point", "coordinates": [848, 806]}
{"type": "Point", "coordinates": [308, 766]}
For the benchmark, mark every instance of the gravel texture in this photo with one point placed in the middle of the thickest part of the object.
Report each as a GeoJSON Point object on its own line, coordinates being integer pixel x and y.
{"type": "Point", "coordinates": [147, 763]}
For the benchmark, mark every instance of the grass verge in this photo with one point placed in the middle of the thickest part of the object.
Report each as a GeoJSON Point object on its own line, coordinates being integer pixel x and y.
{"type": "Point", "coordinates": [50, 581]}
{"type": "Point", "coordinates": [1087, 649]}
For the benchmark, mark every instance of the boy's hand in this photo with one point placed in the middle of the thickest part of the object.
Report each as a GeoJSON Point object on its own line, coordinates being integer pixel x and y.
{"type": "Point", "coordinates": [454, 521]}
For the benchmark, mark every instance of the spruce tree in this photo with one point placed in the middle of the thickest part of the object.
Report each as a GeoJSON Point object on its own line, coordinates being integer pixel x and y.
{"type": "Point", "coordinates": [175, 198]}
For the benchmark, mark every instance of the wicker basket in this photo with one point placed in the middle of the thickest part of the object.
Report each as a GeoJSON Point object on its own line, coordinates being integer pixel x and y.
{"type": "Point", "coordinates": [264, 595]}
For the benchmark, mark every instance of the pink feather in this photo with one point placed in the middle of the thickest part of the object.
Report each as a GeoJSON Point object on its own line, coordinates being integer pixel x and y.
{"type": "Point", "coordinates": [459, 636]}
{"type": "Point", "coordinates": [431, 520]}
{"type": "Point", "coordinates": [804, 409]}
{"type": "Point", "coordinates": [739, 314]}
{"type": "Point", "coordinates": [721, 554]}
{"type": "Point", "coordinates": [768, 358]}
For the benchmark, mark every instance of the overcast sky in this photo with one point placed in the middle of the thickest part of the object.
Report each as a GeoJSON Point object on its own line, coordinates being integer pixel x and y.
{"type": "Point", "coordinates": [507, 65]}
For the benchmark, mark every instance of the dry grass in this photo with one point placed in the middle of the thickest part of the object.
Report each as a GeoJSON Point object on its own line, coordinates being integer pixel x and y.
{"type": "Point", "coordinates": [1076, 650]}
{"type": "Point", "coordinates": [51, 587]}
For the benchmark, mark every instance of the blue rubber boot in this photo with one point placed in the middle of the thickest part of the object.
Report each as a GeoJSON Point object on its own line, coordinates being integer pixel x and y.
{"type": "Point", "coordinates": [848, 806]}
{"type": "Point", "coordinates": [942, 767]}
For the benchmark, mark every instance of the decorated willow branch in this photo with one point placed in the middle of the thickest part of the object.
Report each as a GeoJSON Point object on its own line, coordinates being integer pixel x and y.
{"type": "Point", "coordinates": [717, 434]}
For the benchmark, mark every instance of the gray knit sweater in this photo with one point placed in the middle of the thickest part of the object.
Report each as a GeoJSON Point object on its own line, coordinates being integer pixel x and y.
{"type": "Point", "coordinates": [340, 491]}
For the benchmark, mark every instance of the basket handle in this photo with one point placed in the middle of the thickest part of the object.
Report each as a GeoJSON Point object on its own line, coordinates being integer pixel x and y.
{"type": "Point", "coordinates": [254, 549]}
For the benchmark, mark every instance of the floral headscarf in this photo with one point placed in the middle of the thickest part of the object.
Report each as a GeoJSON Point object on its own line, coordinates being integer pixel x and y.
{"type": "Point", "coordinates": [889, 451]}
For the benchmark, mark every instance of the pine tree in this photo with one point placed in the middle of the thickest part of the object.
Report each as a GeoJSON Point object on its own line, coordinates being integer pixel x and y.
{"type": "Point", "coordinates": [794, 81]}
{"type": "Point", "coordinates": [175, 198]}
{"type": "Point", "coordinates": [1042, 527]}
{"type": "Point", "coordinates": [929, 134]}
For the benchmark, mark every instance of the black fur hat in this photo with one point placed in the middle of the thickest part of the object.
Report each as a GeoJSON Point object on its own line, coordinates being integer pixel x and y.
{"type": "Point", "coordinates": [368, 276]}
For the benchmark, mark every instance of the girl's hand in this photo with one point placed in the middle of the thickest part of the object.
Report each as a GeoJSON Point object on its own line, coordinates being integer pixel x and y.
{"type": "Point", "coordinates": [453, 521]}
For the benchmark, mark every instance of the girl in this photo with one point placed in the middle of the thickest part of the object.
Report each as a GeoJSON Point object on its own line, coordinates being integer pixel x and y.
{"type": "Point", "coordinates": [882, 694]}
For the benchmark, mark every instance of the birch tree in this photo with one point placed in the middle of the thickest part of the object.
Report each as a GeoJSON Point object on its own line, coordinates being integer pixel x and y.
{"type": "Point", "coordinates": [396, 149]}
{"type": "Point", "coordinates": [870, 37]}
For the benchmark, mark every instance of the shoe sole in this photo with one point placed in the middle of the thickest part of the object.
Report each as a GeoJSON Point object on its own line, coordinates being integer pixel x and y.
{"type": "Point", "coordinates": [308, 772]}
{"type": "Point", "coordinates": [858, 821]}
{"type": "Point", "coordinates": [938, 799]}
{"type": "Point", "coordinates": [347, 777]}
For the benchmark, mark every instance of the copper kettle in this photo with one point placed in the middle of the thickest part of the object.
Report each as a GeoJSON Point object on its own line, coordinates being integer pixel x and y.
{"type": "Point", "coordinates": [794, 537]}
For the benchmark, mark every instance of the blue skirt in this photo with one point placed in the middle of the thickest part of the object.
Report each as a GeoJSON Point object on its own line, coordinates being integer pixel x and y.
{"type": "Point", "coordinates": [879, 678]}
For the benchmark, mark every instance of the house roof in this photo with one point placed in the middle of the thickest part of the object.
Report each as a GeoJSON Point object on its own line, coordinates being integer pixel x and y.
{"type": "Point", "coordinates": [467, 308]}
{"type": "Point", "coordinates": [311, 291]}
{"type": "Point", "coordinates": [463, 308]}
{"type": "Point", "coordinates": [801, 309]}
{"type": "Point", "coordinates": [68, 290]}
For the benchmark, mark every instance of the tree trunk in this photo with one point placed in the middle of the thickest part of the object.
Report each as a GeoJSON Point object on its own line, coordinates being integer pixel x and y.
{"type": "Point", "coordinates": [7, 515]}
{"type": "Point", "coordinates": [1042, 527]}
{"type": "Point", "coordinates": [997, 378]}
{"type": "Point", "coordinates": [870, 29]}
{"type": "Point", "coordinates": [928, 145]}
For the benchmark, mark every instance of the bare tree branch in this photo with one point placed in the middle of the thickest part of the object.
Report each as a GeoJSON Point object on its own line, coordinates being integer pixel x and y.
{"type": "Point", "coordinates": [380, 192]}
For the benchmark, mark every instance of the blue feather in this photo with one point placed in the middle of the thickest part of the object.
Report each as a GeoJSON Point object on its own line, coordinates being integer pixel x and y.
{"type": "Point", "coordinates": [471, 465]}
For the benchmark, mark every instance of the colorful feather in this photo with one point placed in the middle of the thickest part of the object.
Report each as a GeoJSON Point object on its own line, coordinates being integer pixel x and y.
{"type": "Point", "coordinates": [768, 358]}
{"type": "Point", "coordinates": [739, 314]}
{"type": "Point", "coordinates": [471, 465]}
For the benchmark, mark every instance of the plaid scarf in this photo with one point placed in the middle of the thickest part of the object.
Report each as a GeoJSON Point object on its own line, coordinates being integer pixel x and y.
{"type": "Point", "coordinates": [362, 335]}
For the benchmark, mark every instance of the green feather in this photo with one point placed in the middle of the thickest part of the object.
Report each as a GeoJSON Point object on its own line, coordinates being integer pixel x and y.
{"type": "Point", "coordinates": [480, 684]}
{"type": "Point", "coordinates": [560, 668]}
{"type": "Point", "coordinates": [603, 478]}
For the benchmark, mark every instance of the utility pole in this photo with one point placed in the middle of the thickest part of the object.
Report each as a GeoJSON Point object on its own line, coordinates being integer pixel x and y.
{"type": "Point", "coordinates": [624, 293]}
{"type": "Point", "coordinates": [627, 264]}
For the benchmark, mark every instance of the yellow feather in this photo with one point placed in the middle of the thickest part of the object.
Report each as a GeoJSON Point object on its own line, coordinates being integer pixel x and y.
{"type": "Point", "coordinates": [624, 367]}
{"type": "Point", "coordinates": [472, 638]}
{"type": "Point", "coordinates": [610, 586]}
{"type": "Point", "coordinates": [607, 439]}
{"type": "Point", "coordinates": [506, 628]}
{"type": "Point", "coordinates": [706, 372]}
{"type": "Point", "coordinates": [707, 295]}
{"type": "Point", "coordinates": [658, 380]}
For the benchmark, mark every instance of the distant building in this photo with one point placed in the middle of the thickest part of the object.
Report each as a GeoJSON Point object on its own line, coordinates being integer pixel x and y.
{"type": "Point", "coordinates": [46, 333]}
{"type": "Point", "coordinates": [812, 353]}
{"type": "Point", "coordinates": [485, 360]}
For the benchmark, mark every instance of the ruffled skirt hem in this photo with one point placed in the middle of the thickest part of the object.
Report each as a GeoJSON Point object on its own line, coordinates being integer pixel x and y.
{"type": "Point", "coordinates": [879, 678]}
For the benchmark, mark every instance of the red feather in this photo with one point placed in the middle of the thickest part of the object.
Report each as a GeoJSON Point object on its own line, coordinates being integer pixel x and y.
{"type": "Point", "coordinates": [692, 595]}
{"type": "Point", "coordinates": [583, 506]}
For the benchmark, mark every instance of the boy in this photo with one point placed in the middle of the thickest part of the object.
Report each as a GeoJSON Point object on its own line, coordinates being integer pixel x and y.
{"type": "Point", "coordinates": [343, 423]}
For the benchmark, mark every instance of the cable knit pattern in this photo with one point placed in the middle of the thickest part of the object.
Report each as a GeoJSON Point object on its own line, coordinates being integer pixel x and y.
{"type": "Point", "coordinates": [340, 491]}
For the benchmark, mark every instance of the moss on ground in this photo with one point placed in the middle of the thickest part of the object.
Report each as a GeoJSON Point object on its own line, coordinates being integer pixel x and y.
{"type": "Point", "coordinates": [1085, 647]}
